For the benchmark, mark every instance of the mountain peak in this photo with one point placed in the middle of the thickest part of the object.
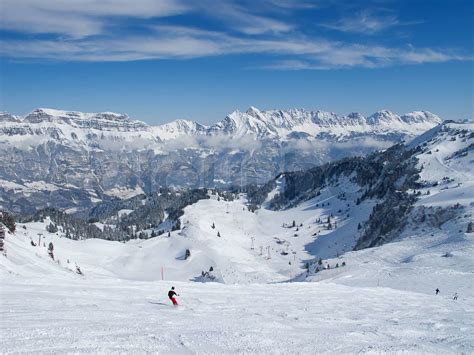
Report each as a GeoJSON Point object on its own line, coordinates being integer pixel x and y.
{"type": "Point", "coordinates": [100, 121]}
{"type": "Point", "coordinates": [421, 117]}
{"type": "Point", "coordinates": [252, 110]}
{"type": "Point", "coordinates": [7, 117]}
{"type": "Point", "coordinates": [176, 128]}
{"type": "Point", "coordinates": [49, 114]}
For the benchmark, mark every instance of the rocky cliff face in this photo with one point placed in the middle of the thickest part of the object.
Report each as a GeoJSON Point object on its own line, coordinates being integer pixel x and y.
{"type": "Point", "coordinates": [73, 159]}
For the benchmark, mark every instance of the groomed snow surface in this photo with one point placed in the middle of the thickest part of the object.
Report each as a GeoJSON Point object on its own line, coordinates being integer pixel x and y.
{"type": "Point", "coordinates": [53, 315]}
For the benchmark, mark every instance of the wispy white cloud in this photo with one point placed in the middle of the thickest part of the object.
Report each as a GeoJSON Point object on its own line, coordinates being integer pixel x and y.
{"type": "Point", "coordinates": [164, 42]}
{"type": "Point", "coordinates": [367, 22]}
{"type": "Point", "coordinates": [79, 18]}
{"type": "Point", "coordinates": [80, 32]}
{"type": "Point", "coordinates": [182, 43]}
{"type": "Point", "coordinates": [241, 18]}
{"type": "Point", "coordinates": [294, 4]}
{"type": "Point", "coordinates": [340, 56]}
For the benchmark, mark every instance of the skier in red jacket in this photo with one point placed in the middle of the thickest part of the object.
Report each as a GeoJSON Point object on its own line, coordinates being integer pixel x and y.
{"type": "Point", "coordinates": [172, 296]}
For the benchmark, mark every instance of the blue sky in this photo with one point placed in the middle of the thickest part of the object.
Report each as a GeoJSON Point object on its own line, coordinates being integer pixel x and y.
{"type": "Point", "coordinates": [158, 60]}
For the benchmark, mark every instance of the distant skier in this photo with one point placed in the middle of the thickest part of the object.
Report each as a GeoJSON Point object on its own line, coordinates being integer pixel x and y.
{"type": "Point", "coordinates": [455, 296]}
{"type": "Point", "coordinates": [437, 290]}
{"type": "Point", "coordinates": [172, 296]}
{"type": "Point", "coordinates": [51, 250]}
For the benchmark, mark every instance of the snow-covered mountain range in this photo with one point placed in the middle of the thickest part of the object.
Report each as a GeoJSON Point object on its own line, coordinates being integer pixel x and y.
{"type": "Point", "coordinates": [275, 124]}
{"type": "Point", "coordinates": [76, 159]}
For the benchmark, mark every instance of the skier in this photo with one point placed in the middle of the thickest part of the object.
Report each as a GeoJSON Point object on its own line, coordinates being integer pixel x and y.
{"type": "Point", "coordinates": [455, 296]}
{"type": "Point", "coordinates": [437, 290]}
{"type": "Point", "coordinates": [51, 250]}
{"type": "Point", "coordinates": [172, 296]}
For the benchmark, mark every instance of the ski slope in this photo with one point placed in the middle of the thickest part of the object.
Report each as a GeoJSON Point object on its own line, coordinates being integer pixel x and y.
{"type": "Point", "coordinates": [51, 315]}
{"type": "Point", "coordinates": [383, 300]}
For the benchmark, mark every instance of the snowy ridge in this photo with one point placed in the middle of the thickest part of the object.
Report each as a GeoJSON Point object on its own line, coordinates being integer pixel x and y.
{"type": "Point", "coordinates": [276, 124]}
{"type": "Point", "coordinates": [446, 162]}
{"type": "Point", "coordinates": [178, 128]}
{"type": "Point", "coordinates": [103, 120]}
{"type": "Point", "coordinates": [73, 129]}
{"type": "Point", "coordinates": [279, 124]}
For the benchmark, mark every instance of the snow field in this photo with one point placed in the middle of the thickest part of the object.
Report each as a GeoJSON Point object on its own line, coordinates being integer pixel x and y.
{"type": "Point", "coordinates": [382, 301]}
{"type": "Point", "coordinates": [116, 316]}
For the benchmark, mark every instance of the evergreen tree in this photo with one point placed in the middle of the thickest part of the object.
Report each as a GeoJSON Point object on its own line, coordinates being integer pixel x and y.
{"type": "Point", "coordinates": [8, 220]}
{"type": "Point", "coordinates": [218, 234]}
{"type": "Point", "coordinates": [470, 228]}
{"type": "Point", "coordinates": [51, 228]}
{"type": "Point", "coordinates": [187, 254]}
